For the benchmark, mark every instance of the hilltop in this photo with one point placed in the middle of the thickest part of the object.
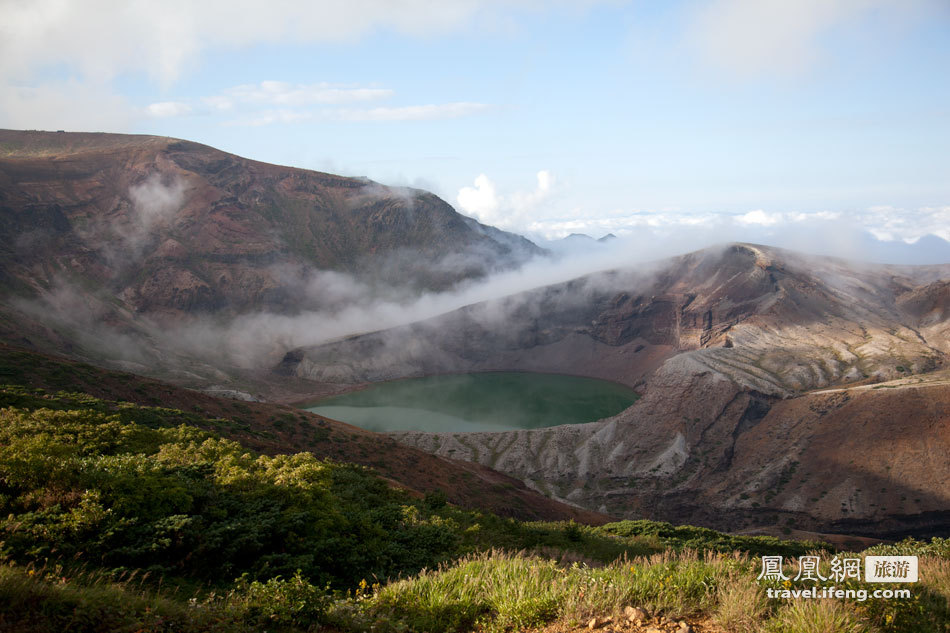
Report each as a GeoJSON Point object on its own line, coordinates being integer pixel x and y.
{"type": "Point", "coordinates": [109, 241]}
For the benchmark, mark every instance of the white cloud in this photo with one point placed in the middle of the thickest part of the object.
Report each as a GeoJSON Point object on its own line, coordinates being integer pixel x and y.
{"type": "Point", "coordinates": [269, 117]}
{"type": "Point", "coordinates": [750, 37]}
{"type": "Point", "coordinates": [529, 200]}
{"type": "Point", "coordinates": [513, 211]}
{"type": "Point", "coordinates": [538, 216]}
{"type": "Point", "coordinates": [480, 201]}
{"type": "Point", "coordinates": [95, 41]}
{"type": "Point", "coordinates": [412, 113]}
{"type": "Point", "coordinates": [908, 225]}
{"type": "Point", "coordinates": [218, 103]}
{"type": "Point", "coordinates": [270, 102]}
{"type": "Point", "coordinates": [103, 38]}
{"type": "Point", "coordinates": [404, 113]}
{"type": "Point", "coordinates": [760, 218]}
{"type": "Point", "coordinates": [66, 105]}
{"type": "Point", "coordinates": [279, 93]}
{"type": "Point", "coordinates": [165, 109]}
{"type": "Point", "coordinates": [620, 223]}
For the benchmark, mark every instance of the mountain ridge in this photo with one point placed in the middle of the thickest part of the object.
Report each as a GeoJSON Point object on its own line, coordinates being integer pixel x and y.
{"type": "Point", "coordinates": [734, 350]}
{"type": "Point", "coordinates": [107, 238]}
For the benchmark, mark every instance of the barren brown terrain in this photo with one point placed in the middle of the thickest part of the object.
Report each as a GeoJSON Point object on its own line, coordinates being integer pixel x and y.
{"type": "Point", "coordinates": [772, 390]}
{"type": "Point", "coordinates": [110, 244]}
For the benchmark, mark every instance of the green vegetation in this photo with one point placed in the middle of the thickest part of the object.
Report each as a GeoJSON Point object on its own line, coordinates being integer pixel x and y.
{"type": "Point", "coordinates": [120, 517]}
{"type": "Point", "coordinates": [937, 547]}
{"type": "Point", "coordinates": [679, 537]}
{"type": "Point", "coordinates": [91, 487]}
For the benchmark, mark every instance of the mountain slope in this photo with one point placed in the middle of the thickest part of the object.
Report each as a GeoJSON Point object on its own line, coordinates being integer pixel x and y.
{"type": "Point", "coordinates": [764, 318]}
{"type": "Point", "coordinates": [277, 429]}
{"type": "Point", "coordinates": [725, 345]}
{"type": "Point", "coordinates": [146, 215]}
{"type": "Point", "coordinates": [104, 236]}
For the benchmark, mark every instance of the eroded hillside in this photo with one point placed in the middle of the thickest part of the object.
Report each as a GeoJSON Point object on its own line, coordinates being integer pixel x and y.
{"type": "Point", "coordinates": [108, 243]}
{"type": "Point", "coordinates": [726, 345]}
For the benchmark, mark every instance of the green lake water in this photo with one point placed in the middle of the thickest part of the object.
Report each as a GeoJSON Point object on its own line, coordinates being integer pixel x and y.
{"type": "Point", "coordinates": [494, 401]}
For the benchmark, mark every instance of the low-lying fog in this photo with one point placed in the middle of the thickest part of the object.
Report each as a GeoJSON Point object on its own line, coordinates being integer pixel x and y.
{"type": "Point", "coordinates": [335, 304]}
{"type": "Point", "coordinates": [261, 338]}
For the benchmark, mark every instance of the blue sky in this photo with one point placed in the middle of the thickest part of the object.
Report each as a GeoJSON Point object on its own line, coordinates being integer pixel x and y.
{"type": "Point", "coordinates": [540, 117]}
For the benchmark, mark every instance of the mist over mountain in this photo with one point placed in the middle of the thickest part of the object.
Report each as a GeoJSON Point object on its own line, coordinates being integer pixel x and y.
{"type": "Point", "coordinates": [110, 242]}
{"type": "Point", "coordinates": [176, 260]}
{"type": "Point", "coordinates": [750, 359]}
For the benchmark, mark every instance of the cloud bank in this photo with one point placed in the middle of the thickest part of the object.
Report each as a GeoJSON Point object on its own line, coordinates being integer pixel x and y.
{"type": "Point", "coordinates": [94, 42]}
{"type": "Point", "coordinates": [510, 212]}
{"type": "Point", "coordinates": [540, 214]}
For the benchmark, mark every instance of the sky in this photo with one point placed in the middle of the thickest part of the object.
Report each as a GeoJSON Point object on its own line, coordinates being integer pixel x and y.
{"type": "Point", "coordinates": [540, 117]}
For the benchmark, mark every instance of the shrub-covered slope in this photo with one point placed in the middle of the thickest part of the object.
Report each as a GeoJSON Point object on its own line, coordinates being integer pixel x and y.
{"type": "Point", "coordinates": [125, 517]}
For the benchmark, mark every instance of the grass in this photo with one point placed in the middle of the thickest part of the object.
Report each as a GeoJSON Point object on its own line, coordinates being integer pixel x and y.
{"type": "Point", "coordinates": [489, 592]}
{"type": "Point", "coordinates": [817, 616]}
{"type": "Point", "coordinates": [63, 457]}
{"type": "Point", "coordinates": [501, 591]}
{"type": "Point", "coordinates": [40, 601]}
{"type": "Point", "coordinates": [741, 606]}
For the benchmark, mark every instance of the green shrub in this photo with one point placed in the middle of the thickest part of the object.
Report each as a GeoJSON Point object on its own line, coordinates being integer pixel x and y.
{"type": "Point", "coordinates": [938, 547]}
{"type": "Point", "coordinates": [282, 603]}
{"type": "Point", "coordinates": [699, 538]}
{"type": "Point", "coordinates": [95, 488]}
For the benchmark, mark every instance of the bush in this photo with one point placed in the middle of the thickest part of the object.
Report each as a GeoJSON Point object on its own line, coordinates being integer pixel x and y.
{"type": "Point", "coordinates": [97, 488]}
{"type": "Point", "coordinates": [283, 603]}
{"type": "Point", "coordinates": [699, 538]}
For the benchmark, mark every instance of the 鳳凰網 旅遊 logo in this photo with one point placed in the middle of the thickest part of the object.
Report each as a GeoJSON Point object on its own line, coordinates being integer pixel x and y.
{"type": "Point", "coordinates": [809, 568]}
{"type": "Point", "coordinates": [810, 577]}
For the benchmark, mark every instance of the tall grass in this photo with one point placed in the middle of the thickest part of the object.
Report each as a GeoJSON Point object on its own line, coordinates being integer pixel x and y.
{"type": "Point", "coordinates": [500, 591]}
{"type": "Point", "coordinates": [503, 591]}
{"type": "Point", "coordinates": [817, 616]}
{"type": "Point", "coordinates": [43, 600]}
{"type": "Point", "coordinates": [39, 600]}
{"type": "Point", "coordinates": [492, 591]}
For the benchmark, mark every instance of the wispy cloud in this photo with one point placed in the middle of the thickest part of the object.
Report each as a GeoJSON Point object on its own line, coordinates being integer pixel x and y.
{"type": "Point", "coordinates": [752, 37]}
{"type": "Point", "coordinates": [279, 93]}
{"type": "Point", "coordinates": [97, 41]}
{"type": "Point", "coordinates": [541, 214]}
{"type": "Point", "coordinates": [101, 40]}
{"type": "Point", "coordinates": [270, 117]}
{"type": "Point", "coordinates": [67, 105]}
{"type": "Point", "coordinates": [401, 113]}
{"type": "Point", "coordinates": [885, 223]}
{"type": "Point", "coordinates": [412, 113]}
{"type": "Point", "coordinates": [269, 102]}
{"type": "Point", "coordinates": [165, 109]}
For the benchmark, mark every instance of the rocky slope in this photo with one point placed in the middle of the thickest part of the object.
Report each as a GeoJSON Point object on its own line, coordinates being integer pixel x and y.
{"type": "Point", "coordinates": [727, 346]}
{"type": "Point", "coordinates": [139, 233]}
{"type": "Point", "coordinates": [766, 319]}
